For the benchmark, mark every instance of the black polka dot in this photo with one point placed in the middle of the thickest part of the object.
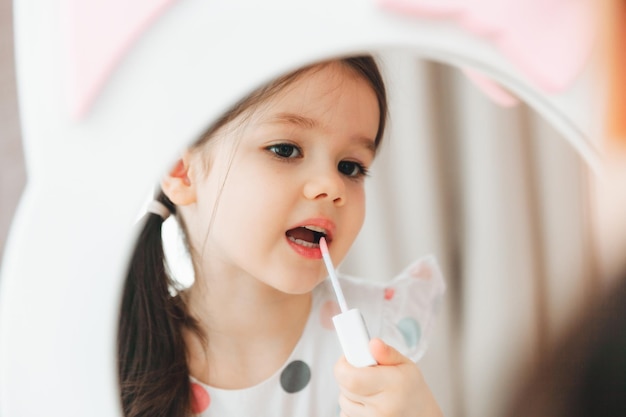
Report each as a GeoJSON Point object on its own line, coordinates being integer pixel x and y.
{"type": "Point", "coordinates": [295, 376]}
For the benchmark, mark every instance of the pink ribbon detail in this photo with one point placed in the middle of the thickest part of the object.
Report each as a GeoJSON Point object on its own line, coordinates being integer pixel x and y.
{"type": "Point", "coordinates": [549, 41]}
{"type": "Point", "coordinates": [98, 33]}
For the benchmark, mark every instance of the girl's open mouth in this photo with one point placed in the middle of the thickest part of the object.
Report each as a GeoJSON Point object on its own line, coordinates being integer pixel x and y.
{"type": "Point", "coordinates": [307, 236]}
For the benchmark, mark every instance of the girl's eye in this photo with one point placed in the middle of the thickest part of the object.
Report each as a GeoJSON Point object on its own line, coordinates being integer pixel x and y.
{"type": "Point", "coordinates": [352, 169]}
{"type": "Point", "coordinates": [285, 150]}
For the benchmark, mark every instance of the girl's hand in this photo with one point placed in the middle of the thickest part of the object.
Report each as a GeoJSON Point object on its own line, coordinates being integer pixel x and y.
{"type": "Point", "coordinates": [394, 387]}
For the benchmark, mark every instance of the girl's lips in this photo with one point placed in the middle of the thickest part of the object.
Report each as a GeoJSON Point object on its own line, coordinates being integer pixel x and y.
{"type": "Point", "coordinates": [319, 222]}
{"type": "Point", "coordinates": [307, 249]}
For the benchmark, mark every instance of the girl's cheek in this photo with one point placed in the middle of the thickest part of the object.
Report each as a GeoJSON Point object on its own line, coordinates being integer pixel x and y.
{"type": "Point", "coordinates": [359, 194]}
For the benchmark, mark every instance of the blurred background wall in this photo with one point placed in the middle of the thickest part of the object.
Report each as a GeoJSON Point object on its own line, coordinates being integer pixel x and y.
{"type": "Point", "coordinates": [12, 171]}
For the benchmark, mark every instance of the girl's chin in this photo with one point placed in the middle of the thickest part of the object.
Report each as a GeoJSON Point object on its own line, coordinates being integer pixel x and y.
{"type": "Point", "coordinates": [299, 287]}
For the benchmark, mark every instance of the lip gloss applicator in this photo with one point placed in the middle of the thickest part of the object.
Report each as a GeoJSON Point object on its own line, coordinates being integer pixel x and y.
{"type": "Point", "coordinates": [349, 324]}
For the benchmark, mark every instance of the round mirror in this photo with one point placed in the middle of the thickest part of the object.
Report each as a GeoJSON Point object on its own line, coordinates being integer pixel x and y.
{"type": "Point", "coordinates": [479, 186]}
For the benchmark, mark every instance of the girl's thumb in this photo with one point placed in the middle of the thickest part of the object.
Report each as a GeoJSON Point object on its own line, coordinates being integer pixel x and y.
{"type": "Point", "coordinates": [385, 354]}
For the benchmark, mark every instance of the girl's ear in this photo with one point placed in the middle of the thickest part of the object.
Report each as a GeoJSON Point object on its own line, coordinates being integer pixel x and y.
{"type": "Point", "coordinates": [176, 184]}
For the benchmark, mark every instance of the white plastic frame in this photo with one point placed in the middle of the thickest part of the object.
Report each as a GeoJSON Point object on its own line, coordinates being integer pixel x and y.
{"type": "Point", "coordinates": [70, 241]}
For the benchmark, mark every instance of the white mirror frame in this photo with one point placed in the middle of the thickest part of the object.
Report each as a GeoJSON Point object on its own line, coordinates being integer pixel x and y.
{"type": "Point", "coordinates": [70, 241]}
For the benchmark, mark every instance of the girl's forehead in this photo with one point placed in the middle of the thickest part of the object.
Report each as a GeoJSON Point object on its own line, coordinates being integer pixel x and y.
{"type": "Point", "coordinates": [317, 86]}
{"type": "Point", "coordinates": [328, 76]}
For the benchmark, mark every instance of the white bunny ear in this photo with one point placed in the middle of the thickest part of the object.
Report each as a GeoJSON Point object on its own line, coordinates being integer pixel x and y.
{"type": "Point", "coordinates": [98, 33]}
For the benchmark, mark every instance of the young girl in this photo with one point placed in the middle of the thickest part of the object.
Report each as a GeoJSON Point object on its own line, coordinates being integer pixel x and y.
{"type": "Point", "coordinates": [252, 335]}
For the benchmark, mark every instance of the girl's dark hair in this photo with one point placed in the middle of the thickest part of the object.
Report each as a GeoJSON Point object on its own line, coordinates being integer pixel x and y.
{"type": "Point", "coordinates": [154, 379]}
{"type": "Point", "coordinates": [152, 363]}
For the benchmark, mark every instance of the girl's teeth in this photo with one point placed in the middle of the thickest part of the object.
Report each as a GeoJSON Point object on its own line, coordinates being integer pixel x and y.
{"type": "Point", "coordinates": [316, 229]}
{"type": "Point", "coordinates": [304, 243]}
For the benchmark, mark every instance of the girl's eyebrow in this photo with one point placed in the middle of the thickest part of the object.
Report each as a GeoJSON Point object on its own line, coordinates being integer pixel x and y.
{"type": "Point", "coordinates": [368, 143]}
{"type": "Point", "coordinates": [294, 119]}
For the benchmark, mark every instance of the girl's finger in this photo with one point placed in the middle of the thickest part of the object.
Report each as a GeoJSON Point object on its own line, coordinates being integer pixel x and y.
{"type": "Point", "coordinates": [352, 408]}
{"type": "Point", "coordinates": [360, 381]}
{"type": "Point", "coordinates": [386, 355]}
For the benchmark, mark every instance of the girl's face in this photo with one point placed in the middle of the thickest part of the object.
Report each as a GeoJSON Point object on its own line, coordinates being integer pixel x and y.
{"type": "Point", "coordinates": [292, 172]}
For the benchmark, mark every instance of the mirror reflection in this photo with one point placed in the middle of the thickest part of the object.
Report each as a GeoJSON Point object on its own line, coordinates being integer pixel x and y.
{"type": "Point", "coordinates": [240, 317]}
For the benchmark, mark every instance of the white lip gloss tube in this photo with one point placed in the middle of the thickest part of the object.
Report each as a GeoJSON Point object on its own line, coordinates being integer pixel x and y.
{"type": "Point", "coordinates": [349, 324]}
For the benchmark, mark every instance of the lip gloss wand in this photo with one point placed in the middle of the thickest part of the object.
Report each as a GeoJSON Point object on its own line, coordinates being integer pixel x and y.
{"type": "Point", "coordinates": [349, 324]}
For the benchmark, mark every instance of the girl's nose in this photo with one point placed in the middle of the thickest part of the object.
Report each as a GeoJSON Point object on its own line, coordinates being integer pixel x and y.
{"type": "Point", "coordinates": [326, 184]}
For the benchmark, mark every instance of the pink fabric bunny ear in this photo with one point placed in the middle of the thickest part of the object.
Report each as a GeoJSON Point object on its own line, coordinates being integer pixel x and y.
{"type": "Point", "coordinates": [548, 40]}
{"type": "Point", "coordinates": [97, 35]}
